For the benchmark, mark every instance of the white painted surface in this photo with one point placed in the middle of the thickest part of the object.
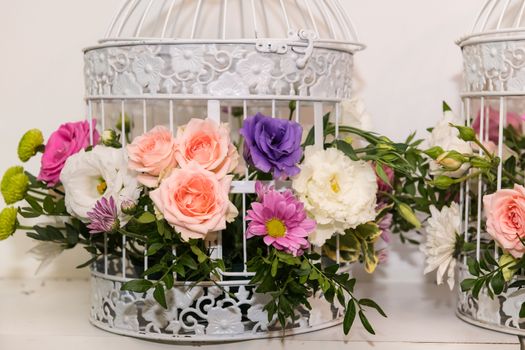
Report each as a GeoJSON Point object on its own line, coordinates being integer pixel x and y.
{"type": "Point", "coordinates": [411, 64]}
{"type": "Point", "coordinates": [52, 314]}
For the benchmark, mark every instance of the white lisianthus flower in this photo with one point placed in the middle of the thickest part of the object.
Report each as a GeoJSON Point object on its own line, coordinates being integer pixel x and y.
{"type": "Point", "coordinates": [102, 172]}
{"type": "Point", "coordinates": [447, 137]}
{"type": "Point", "coordinates": [337, 192]}
{"type": "Point", "coordinates": [442, 235]}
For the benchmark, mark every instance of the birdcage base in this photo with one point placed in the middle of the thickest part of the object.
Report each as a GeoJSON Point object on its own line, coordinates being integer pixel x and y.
{"type": "Point", "coordinates": [206, 312]}
{"type": "Point", "coordinates": [499, 314]}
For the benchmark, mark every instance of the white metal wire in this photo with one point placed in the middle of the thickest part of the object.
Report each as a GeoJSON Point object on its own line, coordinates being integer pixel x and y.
{"type": "Point", "coordinates": [150, 19]}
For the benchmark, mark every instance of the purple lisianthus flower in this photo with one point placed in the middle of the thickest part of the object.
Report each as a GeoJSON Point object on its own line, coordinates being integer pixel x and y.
{"type": "Point", "coordinates": [104, 217]}
{"type": "Point", "coordinates": [281, 219]}
{"type": "Point", "coordinates": [272, 145]}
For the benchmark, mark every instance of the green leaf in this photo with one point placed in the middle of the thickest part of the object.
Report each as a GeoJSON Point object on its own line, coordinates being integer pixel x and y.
{"type": "Point", "coordinates": [382, 174]}
{"type": "Point", "coordinates": [87, 263]}
{"type": "Point", "coordinates": [146, 218]}
{"type": "Point", "coordinates": [349, 317]}
{"type": "Point", "coordinates": [201, 257]}
{"type": "Point", "coordinates": [34, 204]}
{"type": "Point", "coordinates": [154, 269]}
{"type": "Point", "coordinates": [498, 283]}
{"type": "Point", "coordinates": [477, 288]}
{"type": "Point", "coordinates": [446, 107]}
{"type": "Point", "coordinates": [347, 149]}
{"type": "Point", "coordinates": [372, 304]}
{"type": "Point", "coordinates": [169, 280]}
{"type": "Point", "coordinates": [522, 311]}
{"type": "Point", "coordinates": [275, 266]}
{"type": "Point", "coordinates": [137, 286]}
{"type": "Point", "coordinates": [468, 284]}
{"type": "Point", "coordinates": [188, 261]}
{"type": "Point", "coordinates": [473, 267]}
{"type": "Point", "coordinates": [365, 323]}
{"type": "Point", "coordinates": [160, 295]}
{"type": "Point", "coordinates": [49, 205]}
{"type": "Point", "coordinates": [154, 248]}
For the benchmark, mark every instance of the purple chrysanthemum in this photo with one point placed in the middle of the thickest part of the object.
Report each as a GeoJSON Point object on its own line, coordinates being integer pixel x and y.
{"type": "Point", "coordinates": [281, 219]}
{"type": "Point", "coordinates": [272, 145]}
{"type": "Point", "coordinates": [104, 217]}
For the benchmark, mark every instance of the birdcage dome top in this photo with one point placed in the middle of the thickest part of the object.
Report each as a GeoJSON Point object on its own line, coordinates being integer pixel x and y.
{"type": "Point", "coordinates": [498, 20]}
{"type": "Point", "coordinates": [232, 21]}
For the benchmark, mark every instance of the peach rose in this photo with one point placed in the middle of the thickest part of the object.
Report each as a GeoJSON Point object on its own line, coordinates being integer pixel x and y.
{"type": "Point", "coordinates": [209, 144]}
{"type": "Point", "coordinates": [505, 211]}
{"type": "Point", "coordinates": [194, 201]}
{"type": "Point", "coordinates": [152, 155]}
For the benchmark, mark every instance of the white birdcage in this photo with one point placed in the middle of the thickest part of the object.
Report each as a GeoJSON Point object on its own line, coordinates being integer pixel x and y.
{"type": "Point", "coordinates": [493, 97]}
{"type": "Point", "coordinates": [166, 61]}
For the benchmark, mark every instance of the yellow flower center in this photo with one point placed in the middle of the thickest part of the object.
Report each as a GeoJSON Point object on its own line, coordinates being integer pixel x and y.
{"type": "Point", "coordinates": [334, 184]}
{"type": "Point", "coordinates": [102, 186]}
{"type": "Point", "coordinates": [276, 228]}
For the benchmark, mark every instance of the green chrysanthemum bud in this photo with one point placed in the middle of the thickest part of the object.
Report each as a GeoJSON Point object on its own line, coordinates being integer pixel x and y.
{"type": "Point", "coordinates": [8, 222]}
{"type": "Point", "coordinates": [408, 214]}
{"type": "Point", "coordinates": [14, 185]}
{"type": "Point", "coordinates": [128, 207]}
{"type": "Point", "coordinates": [508, 273]}
{"type": "Point", "coordinates": [481, 163]}
{"type": "Point", "coordinates": [30, 144]}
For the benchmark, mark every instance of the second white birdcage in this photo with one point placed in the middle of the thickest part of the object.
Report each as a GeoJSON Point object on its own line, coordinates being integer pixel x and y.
{"type": "Point", "coordinates": [165, 62]}
{"type": "Point", "coordinates": [493, 98]}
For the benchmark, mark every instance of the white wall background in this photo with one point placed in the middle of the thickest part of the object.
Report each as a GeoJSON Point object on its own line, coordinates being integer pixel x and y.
{"type": "Point", "coordinates": [410, 66]}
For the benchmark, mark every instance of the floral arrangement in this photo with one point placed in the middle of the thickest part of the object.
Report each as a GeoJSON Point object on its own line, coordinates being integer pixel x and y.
{"type": "Point", "coordinates": [489, 172]}
{"type": "Point", "coordinates": [168, 196]}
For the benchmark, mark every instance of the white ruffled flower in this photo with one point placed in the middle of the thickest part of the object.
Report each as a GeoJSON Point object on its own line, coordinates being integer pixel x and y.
{"type": "Point", "coordinates": [337, 192]}
{"type": "Point", "coordinates": [442, 232]}
{"type": "Point", "coordinates": [447, 137]}
{"type": "Point", "coordinates": [102, 172]}
{"type": "Point", "coordinates": [353, 113]}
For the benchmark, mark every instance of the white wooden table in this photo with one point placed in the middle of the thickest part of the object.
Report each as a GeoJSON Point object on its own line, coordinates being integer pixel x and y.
{"type": "Point", "coordinates": [53, 314]}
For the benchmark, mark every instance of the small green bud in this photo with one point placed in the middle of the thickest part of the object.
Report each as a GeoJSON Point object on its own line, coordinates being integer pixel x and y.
{"type": "Point", "coordinates": [480, 163]}
{"type": "Point", "coordinates": [508, 273]}
{"type": "Point", "coordinates": [110, 138]}
{"type": "Point", "coordinates": [14, 185]}
{"type": "Point", "coordinates": [465, 133]}
{"type": "Point", "coordinates": [128, 207]}
{"type": "Point", "coordinates": [8, 222]}
{"type": "Point", "coordinates": [408, 214]}
{"type": "Point", "coordinates": [434, 152]}
{"type": "Point", "coordinates": [442, 182]}
{"type": "Point", "coordinates": [30, 144]}
{"type": "Point", "coordinates": [451, 161]}
{"type": "Point", "coordinates": [385, 147]}
{"type": "Point", "coordinates": [127, 123]}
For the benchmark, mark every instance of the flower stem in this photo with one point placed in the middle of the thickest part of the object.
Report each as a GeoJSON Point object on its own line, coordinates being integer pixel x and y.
{"type": "Point", "coordinates": [38, 192]}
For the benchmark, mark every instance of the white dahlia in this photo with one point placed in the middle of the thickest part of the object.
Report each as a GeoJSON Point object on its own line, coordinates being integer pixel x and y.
{"type": "Point", "coordinates": [442, 230]}
{"type": "Point", "coordinates": [337, 192]}
{"type": "Point", "coordinates": [101, 172]}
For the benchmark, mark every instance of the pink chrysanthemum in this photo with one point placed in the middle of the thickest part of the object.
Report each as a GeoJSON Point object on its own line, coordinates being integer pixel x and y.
{"type": "Point", "coordinates": [104, 217]}
{"type": "Point", "coordinates": [281, 219]}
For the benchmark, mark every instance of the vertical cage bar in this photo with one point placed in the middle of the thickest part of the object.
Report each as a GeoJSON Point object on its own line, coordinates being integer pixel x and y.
{"type": "Point", "coordinates": [480, 182]}
{"type": "Point", "coordinates": [318, 125]}
{"type": "Point", "coordinates": [502, 114]}
{"type": "Point", "coordinates": [298, 111]}
{"type": "Point", "coordinates": [143, 18]}
{"type": "Point", "coordinates": [123, 131]}
{"type": "Point", "coordinates": [224, 19]}
{"type": "Point", "coordinates": [517, 22]}
{"type": "Point", "coordinates": [254, 17]}
{"type": "Point", "coordinates": [244, 247]}
{"type": "Point", "coordinates": [467, 185]}
{"type": "Point", "coordinates": [172, 123]}
{"type": "Point", "coordinates": [337, 119]}
{"type": "Point", "coordinates": [102, 115]}
{"type": "Point", "coordinates": [285, 14]}
{"type": "Point", "coordinates": [90, 120]}
{"type": "Point", "coordinates": [503, 12]}
{"type": "Point", "coordinates": [274, 108]}
{"type": "Point", "coordinates": [105, 253]}
{"type": "Point", "coordinates": [116, 17]}
{"type": "Point", "coordinates": [489, 14]}
{"type": "Point", "coordinates": [144, 116]}
{"type": "Point", "coordinates": [311, 15]}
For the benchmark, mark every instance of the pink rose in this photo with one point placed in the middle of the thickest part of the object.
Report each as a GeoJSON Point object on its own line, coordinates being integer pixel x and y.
{"type": "Point", "coordinates": [505, 211]}
{"type": "Point", "coordinates": [209, 144]}
{"type": "Point", "coordinates": [512, 119]}
{"type": "Point", "coordinates": [152, 155]}
{"type": "Point", "coordinates": [69, 139]}
{"type": "Point", "coordinates": [194, 201]}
